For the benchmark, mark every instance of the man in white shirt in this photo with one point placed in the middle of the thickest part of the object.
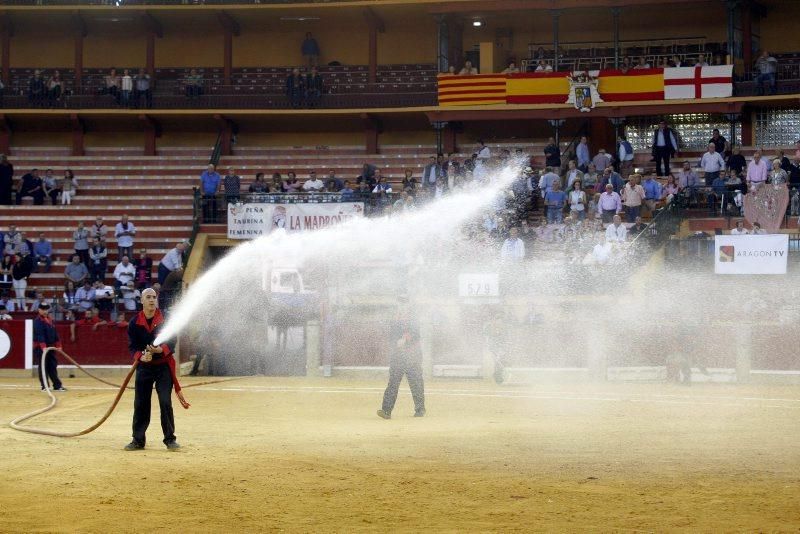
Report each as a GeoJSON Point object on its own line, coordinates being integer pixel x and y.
{"type": "Point", "coordinates": [484, 152]}
{"type": "Point", "coordinates": [513, 249]}
{"type": "Point", "coordinates": [601, 253]}
{"type": "Point", "coordinates": [172, 261]}
{"type": "Point", "coordinates": [740, 229]}
{"type": "Point", "coordinates": [712, 163]}
{"type": "Point", "coordinates": [313, 184]}
{"type": "Point", "coordinates": [130, 295]}
{"type": "Point", "coordinates": [124, 272]}
{"type": "Point", "coordinates": [616, 231]}
{"type": "Point", "coordinates": [124, 233]}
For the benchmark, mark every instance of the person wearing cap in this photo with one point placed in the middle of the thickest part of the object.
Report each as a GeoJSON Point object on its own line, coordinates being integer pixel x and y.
{"type": "Point", "coordinates": [405, 359]}
{"type": "Point", "coordinates": [156, 366]}
{"type": "Point", "coordinates": [44, 336]}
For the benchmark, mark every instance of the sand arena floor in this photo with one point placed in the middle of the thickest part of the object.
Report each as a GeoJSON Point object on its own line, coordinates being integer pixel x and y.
{"type": "Point", "coordinates": [310, 455]}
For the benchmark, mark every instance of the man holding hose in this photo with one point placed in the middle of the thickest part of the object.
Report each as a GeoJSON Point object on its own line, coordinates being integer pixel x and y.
{"type": "Point", "coordinates": [156, 366]}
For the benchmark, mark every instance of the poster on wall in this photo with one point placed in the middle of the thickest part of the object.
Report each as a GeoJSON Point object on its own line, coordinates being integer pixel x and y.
{"type": "Point", "coordinates": [751, 254]}
{"type": "Point", "coordinates": [251, 221]}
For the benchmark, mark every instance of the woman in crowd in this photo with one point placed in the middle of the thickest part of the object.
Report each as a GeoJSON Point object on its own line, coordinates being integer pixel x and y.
{"type": "Point", "coordinates": [69, 188]}
{"type": "Point", "coordinates": [291, 184]}
{"type": "Point", "coordinates": [777, 175]}
{"type": "Point", "coordinates": [54, 88]}
{"type": "Point", "coordinates": [277, 182]}
{"type": "Point", "coordinates": [5, 273]}
{"type": "Point", "coordinates": [70, 301]}
{"type": "Point", "coordinates": [671, 189]}
{"type": "Point", "coordinates": [259, 186]}
{"type": "Point", "coordinates": [577, 201]}
{"type": "Point", "coordinates": [409, 182]}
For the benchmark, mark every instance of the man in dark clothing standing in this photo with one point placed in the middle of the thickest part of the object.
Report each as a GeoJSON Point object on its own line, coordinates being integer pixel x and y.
{"type": "Point", "coordinates": [6, 181]}
{"type": "Point", "coordinates": [156, 366]}
{"type": "Point", "coordinates": [313, 88]}
{"type": "Point", "coordinates": [665, 145]}
{"type": "Point", "coordinates": [295, 88]}
{"type": "Point", "coordinates": [405, 359]}
{"type": "Point", "coordinates": [552, 154]}
{"type": "Point", "coordinates": [45, 335]}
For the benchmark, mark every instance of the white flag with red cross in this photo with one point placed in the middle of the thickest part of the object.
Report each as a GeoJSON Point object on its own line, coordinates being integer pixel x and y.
{"type": "Point", "coordinates": [698, 82]}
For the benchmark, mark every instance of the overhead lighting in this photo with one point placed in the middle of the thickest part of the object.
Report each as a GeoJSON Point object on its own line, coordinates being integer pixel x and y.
{"type": "Point", "coordinates": [477, 23]}
{"type": "Point", "coordinates": [299, 19]}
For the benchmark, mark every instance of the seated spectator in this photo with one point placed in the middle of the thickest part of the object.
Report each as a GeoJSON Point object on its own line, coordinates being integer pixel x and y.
{"type": "Point", "coordinates": [543, 66]}
{"type": "Point", "coordinates": [468, 69]}
{"type": "Point", "coordinates": [638, 227]}
{"type": "Point", "coordinates": [625, 65]}
{"type": "Point", "coordinates": [740, 229]}
{"type": "Point", "coordinates": [37, 89]}
{"type": "Point", "coordinates": [291, 184]}
{"type": "Point", "coordinates": [347, 192]}
{"type": "Point", "coordinates": [295, 88]}
{"type": "Point", "coordinates": [670, 189]}
{"type": "Point", "coordinates": [333, 184]}
{"type": "Point", "coordinates": [591, 177]}
{"type": "Point", "coordinates": [121, 322]}
{"type": "Point", "coordinates": [513, 249]}
{"type": "Point", "coordinates": [144, 270]}
{"type": "Point", "coordinates": [277, 183]}
{"type": "Point", "coordinates": [4, 315]}
{"type": "Point", "coordinates": [259, 186]}
{"type": "Point", "coordinates": [43, 253]}
{"type": "Point", "coordinates": [675, 61]}
{"type": "Point", "coordinates": [232, 185]}
{"type": "Point", "coordinates": [31, 186]}
{"type": "Point", "coordinates": [103, 297]}
{"type": "Point", "coordinates": [141, 88]}
{"type": "Point", "coordinates": [314, 88]}
{"type": "Point", "coordinates": [616, 231]}
{"type": "Point", "coordinates": [701, 61]}
{"type": "Point", "coordinates": [69, 297]}
{"type": "Point", "coordinates": [612, 178]}
{"type": "Point", "coordinates": [131, 297]}
{"type": "Point", "coordinates": [98, 255]}
{"type": "Point", "coordinates": [194, 84]}
{"type": "Point", "coordinates": [313, 184]}
{"type": "Point", "coordinates": [50, 186]}
{"type": "Point", "coordinates": [6, 302]}
{"type": "Point", "coordinates": [90, 319]}
{"type": "Point", "coordinates": [757, 230]}
{"type": "Point", "coordinates": [601, 253]}
{"type": "Point", "coordinates": [687, 178]}
{"type": "Point", "coordinates": [76, 271]}
{"type": "Point", "coordinates": [85, 296]}
{"type": "Point", "coordinates": [642, 64]}
{"type": "Point", "coordinates": [124, 272]}
{"type": "Point", "coordinates": [511, 69]}
{"type": "Point", "coordinates": [766, 66]}
{"type": "Point", "coordinates": [409, 182]}
{"type": "Point", "coordinates": [380, 185]}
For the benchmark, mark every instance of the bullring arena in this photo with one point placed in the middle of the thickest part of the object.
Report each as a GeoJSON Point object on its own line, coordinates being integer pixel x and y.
{"type": "Point", "coordinates": [306, 455]}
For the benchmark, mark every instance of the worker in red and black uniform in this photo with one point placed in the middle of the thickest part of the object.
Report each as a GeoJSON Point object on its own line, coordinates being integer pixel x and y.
{"type": "Point", "coordinates": [45, 335]}
{"type": "Point", "coordinates": [156, 366]}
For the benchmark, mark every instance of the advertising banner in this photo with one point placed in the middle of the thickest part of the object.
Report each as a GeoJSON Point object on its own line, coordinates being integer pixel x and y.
{"type": "Point", "coordinates": [751, 254]}
{"type": "Point", "coordinates": [251, 221]}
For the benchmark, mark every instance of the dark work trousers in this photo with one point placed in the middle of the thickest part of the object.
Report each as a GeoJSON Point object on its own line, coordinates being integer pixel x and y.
{"type": "Point", "coordinates": [209, 208]}
{"type": "Point", "coordinates": [400, 365]}
{"type": "Point", "coordinates": [50, 367]}
{"type": "Point", "coordinates": [662, 155]}
{"type": "Point", "coordinates": [146, 376]}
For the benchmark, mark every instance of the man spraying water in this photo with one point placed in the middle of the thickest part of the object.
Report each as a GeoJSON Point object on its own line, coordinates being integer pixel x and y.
{"type": "Point", "coordinates": [156, 366]}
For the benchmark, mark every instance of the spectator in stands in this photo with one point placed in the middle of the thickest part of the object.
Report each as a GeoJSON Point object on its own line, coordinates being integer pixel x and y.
{"type": "Point", "coordinates": [171, 262]}
{"type": "Point", "coordinates": [687, 178]}
{"type": "Point", "coordinates": [777, 175]}
{"type": "Point", "coordinates": [577, 201]}
{"type": "Point", "coordinates": [543, 66]}
{"type": "Point", "coordinates": [591, 178]}
{"type": "Point", "coordinates": [98, 230]}
{"type": "Point", "coordinates": [277, 183]}
{"type": "Point", "coordinates": [6, 180]}
{"type": "Point", "coordinates": [81, 238]}
{"type": "Point", "coordinates": [573, 173]}
{"type": "Point", "coordinates": [609, 204]}
{"type": "Point", "coordinates": [98, 255]}
{"type": "Point", "coordinates": [625, 157]}
{"type": "Point", "coordinates": [547, 180]}
{"type": "Point", "coordinates": [468, 69]}
{"type": "Point", "coordinates": [675, 61]}
{"type": "Point", "coordinates": [370, 179]}
{"type": "Point", "coordinates": [141, 88]}
{"type": "Point", "coordinates": [20, 272]}
{"type": "Point", "coordinates": [720, 143]}
{"type": "Point", "coordinates": [144, 269]}
{"type": "Point", "coordinates": [11, 240]}
{"type": "Point", "coordinates": [295, 88]}
{"type": "Point", "coordinates": [757, 230]}
{"type": "Point", "coordinates": [766, 67]}
{"type": "Point", "coordinates": [194, 84]}
{"type": "Point", "coordinates": [333, 184]}
{"type": "Point", "coordinates": [431, 173]}
{"type": "Point", "coordinates": [232, 185]}
{"type": "Point", "coordinates": [314, 88]}
{"type": "Point", "coordinates": [69, 297]}
{"type": "Point", "coordinates": [209, 187]}
{"type": "Point", "coordinates": [347, 192]}
{"type": "Point", "coordinates": [638, 227]}
{"type": "Point", "coordinates": [625, 65]}
{"type": "Point", "coordinates": [50, 186]}
{"type": "Point", "coordinates": [124, 272]}
{"type": "Point", "coordinates": [54, 88]}
{"type": "Point", "coordinates": [103, 297]}
{"type": "Point", "coordinates": [602, 160]}
{"type": "Point", "coordinates": [31, 186]}
{"type": "Point", "coordinates": [451, 71]}
{"type": "Point", "coordinates": [665, 145]}
{"type": "Point", "coordinates": [616, 231]}
{"type": "Point", "coordinates": [653, 192]}
{"type": "Point", "coordinates": [259, 185]}
{"type": "Point", "coordinates": [126, 88]}
{"type": "Point", "coordinates": [701, 61]}
{"type": "Point", "coordinates": [310, 50]}
{"type": "Point", "coordinates": [610, 176]}
{"type": "Point", "coordinates": [313, 184]}
{"type": "Point", "coordinates": [409, 183]}
{"type": "Point", "coordinates": [24, 246]}
{"type": "Point", "coordinates": [383, 187]}
{"type": "Point", "coordinates": [124, 232]}
{"type": "Point", "coordinates": [511, 69]}
{"type": "Point", "coordinates": [43, 253]}
{"type": "Point", "coordinates": [90, 319]}
{"type": "Point", "coordinates": [37, 89]}
{"type": "Point", "coordinates": [291, 184]}
{"type": "Point", "coordinates": [111, 84]}
{"type": "Point", "coordinates": [6, 280]}
{"type": "Point", "coordinates": [69, 188]}
{"type": "Point", "coordinates": [737, 162]}
{"type": "Point", "coordinates": [665, 63]}
{"type": "Point", "coordinates": [555, 200]}
{"type": "Point", "coordinates": [633, 196]}
{"type": "Point", "coordinates": [712, 163]}
{"type": "Point", "coordinates": [4, 315]}
{"type": "Point", "coordinates": [582, 154]}
{"type": "Point", "coordinates": [552, 154]}
{"type": "Point", "coordinates": [740, 229]}
{"type": "Point", "coordinates": [757, 171]}
{"type": "Point", "coordinates": [513, 249]}
{"type": "Point", "coordinates": [642, 64]}
{"type": "Point", "coordinates": [131, 297]}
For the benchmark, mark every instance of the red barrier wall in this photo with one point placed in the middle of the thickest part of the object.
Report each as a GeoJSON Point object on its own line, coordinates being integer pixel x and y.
{"type": "Point", "coordinates": [15, 357]}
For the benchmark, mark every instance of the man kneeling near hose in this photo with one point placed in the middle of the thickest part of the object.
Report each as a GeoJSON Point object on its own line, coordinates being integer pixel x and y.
{"type": "Point", "coordinates": [156, 366]}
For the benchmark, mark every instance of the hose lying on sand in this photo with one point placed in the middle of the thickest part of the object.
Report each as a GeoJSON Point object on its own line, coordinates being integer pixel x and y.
{"type": "Point", "coordinates": [15, 424]}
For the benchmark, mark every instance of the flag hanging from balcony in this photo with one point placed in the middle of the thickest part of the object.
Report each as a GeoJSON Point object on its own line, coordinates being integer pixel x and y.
{"type": "Point", "coordinates": [698, 82]}
{"type": "Point", "coordinates": [472, 90]}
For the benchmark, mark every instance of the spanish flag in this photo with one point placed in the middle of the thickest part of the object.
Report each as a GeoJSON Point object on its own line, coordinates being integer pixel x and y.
{"type": "Point", "coordinates": [537, 88]}
{"type": "Point", "coordinates": [634, 85]}
{"type": "Point", "coordinates": [472, 90]}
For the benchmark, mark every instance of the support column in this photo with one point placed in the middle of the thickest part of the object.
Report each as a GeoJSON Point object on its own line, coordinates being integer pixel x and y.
{"type": "Point", "coordinates": [615, 16]}
{"type": "Point", "coordinates": [732, 118]}
{"type": "Point", "coordinates": [747, 128]}
{"type": "Point", "coordinates": [5, 135]}
{"type": "Point", "coordinates": [226, 134]}
{"type": "Point", "coordinates": [601, 132]}
{"type": "Point", "coordinates": [439, 127]}
{"type": "Point", "coordinates": [227, 57]}
{"type": "Point", "coordinates": [150, 58]}
{"type": "Point", "coordinates": [78, 131]}
{"type": "Point", "coordinates": [373, 54]}
{"type": "Point", "coordinates": [371, 132]}
{"type": "Point", "coordinates": [313, 349]}
{"type": "Point", "coordinates": [152, 130]}
{"type": "Point", "coordinates": [556, 124]}
{"type": "Point", "coordinates": [442, 43]}
{"type": "Point", "coordinates": [555, 13]}
{"type": "Point", "coordinates": [731, 11]}
{"type": "Point", "coordinates": [7, 33]}
{"type": "Point", "coordinates": [450, 139]}
{"type": "Point", "coordinates": [747, 38]}
{"type": "Point", "coordinates": [78, 64]}
{"type": "Point", "coordinates": [456, 52]}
